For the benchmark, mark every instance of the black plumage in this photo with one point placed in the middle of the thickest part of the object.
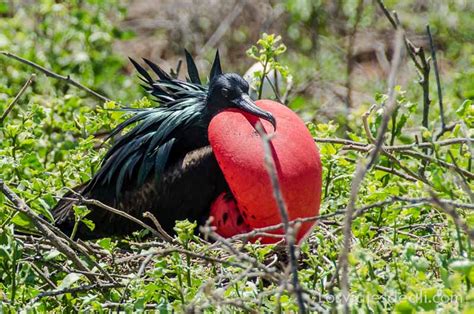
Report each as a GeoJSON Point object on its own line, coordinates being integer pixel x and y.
{"type": "Point", "coordinates": [164, 164]}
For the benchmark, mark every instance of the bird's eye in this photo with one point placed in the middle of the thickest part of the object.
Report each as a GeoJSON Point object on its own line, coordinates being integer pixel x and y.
{"type": "Point", "coordinates": [225, 92]}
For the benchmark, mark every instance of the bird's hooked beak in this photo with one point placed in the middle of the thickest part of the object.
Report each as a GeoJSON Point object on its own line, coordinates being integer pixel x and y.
{"type": "Point", "coordinates": [246, 104]}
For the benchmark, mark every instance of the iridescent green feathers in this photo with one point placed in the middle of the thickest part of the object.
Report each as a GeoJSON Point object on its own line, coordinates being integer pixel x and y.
{"type": "Point", "coordinates": [147, 147]}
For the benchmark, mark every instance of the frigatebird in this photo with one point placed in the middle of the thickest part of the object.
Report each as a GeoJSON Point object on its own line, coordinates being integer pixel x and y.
{"type": "Point", "coordinates": [166, 164]}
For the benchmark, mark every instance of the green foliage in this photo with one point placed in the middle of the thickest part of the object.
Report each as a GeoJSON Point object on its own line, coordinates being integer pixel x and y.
{"type": "Point", "coordinates": [266, 52]}
{"type": "Point", "coordinates": [406, 257]}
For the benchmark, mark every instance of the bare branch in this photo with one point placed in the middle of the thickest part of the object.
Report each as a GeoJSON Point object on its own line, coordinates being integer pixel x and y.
{"type": "Point", "coordinates": [365, 146]}
{"type": "Point", "coordinates": [289, 230]}
{"type": "Point", "coordinates": [362, 169]}
{"type": "Point", "coordinates": [164, 235]}
{"type": "Point", "coordinates": [97, 203]}
{"type": "Point", "coordinates": [17, 97]}
{"type": "Point", "coordinates": [453, 213]}
{"type": "Point", "coordinates": [21, 206]}
{"type": "Point", "coordinates": [50, 73]}
{"type": "Point", "coordinates": [438, 83]}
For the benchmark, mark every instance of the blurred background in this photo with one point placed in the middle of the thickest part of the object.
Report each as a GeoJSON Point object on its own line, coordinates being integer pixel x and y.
{"type": "Point", "coordinates": [333, 46]}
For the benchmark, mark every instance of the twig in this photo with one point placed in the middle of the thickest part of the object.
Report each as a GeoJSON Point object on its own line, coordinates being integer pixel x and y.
{"type": "Point", "coordinates": [430, 159]}
{"type": "Point", "coordinates": [118, 306]}
{"type": "Point", "coordinates": [387, 14]}
{"type": "Point", "coordinates": [362, 169]}
{"type": "Point", "coordinates": [453, 213]}
{"type": "Point", "coordinates": [239, 255]}
{"type": "Point", "coordinates": [97, 203]}
{"type": "Point", "coordinates": [50, 73]}
{"type": "Point", "coordinates": [261, 231]}
{"type": "Point", "coordinates": [389, 170]}
{"type": "Point", "coordinates": [77, 247]}
{"type": "Point", "coordinates": [42, 275]}
{"type": "Point", "coordinates": [366, 146]}
{"type": "Point", "coordinates": [164, 235]}
{"type": "Point", "coordinates": [452, 141]}
{"type": "Point", "coordinates": [429, 200]}
{"type": "Point", "coordinates": [289, 87]}
{"type": "Point", "coordinates": [84, 288]}
{"type": "Point", "coordinates": [289, 230]}
{"type": "Point", "coordinates": [438, 83]}
{"type": "Point", "coordinates": [17, 97]}
{"type": "Point", "coordinates": [170, 250]}
{"type": "Point", "coordinates": [145, 262]}
{"type": "Point", "coordinates": [417, 54]}
{"type": "Point", "coordinates": [55, 240]}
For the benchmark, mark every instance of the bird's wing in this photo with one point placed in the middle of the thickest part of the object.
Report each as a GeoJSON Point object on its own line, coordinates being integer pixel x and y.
{"type": "Point", "coordinates": [147, 147]}
{"type": "Point", "coordinates": [185, 190]}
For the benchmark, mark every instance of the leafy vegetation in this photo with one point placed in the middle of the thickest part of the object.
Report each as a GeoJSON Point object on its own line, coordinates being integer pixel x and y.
{"type": "Point", "coordinates": [408, 253]}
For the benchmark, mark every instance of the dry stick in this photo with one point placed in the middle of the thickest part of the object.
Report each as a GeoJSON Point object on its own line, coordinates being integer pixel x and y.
{"type": "Point", "coordinates": [422, 65]}
{"type": "Point", "coordinates": [362, 169]}
{"type": "Point", "coordinates": [425, 158]}
{"type": "Point", "coordinates": [164, 235]}
{"type": "Point", "coordinates": [97, 203]}
{"type": "Point", "coordinates": [17, 97]}
{"type": "Point", "coordinates": [438, 82]}
{"type": "Point", "coordinates": [170, 250]}
{"type": "Point", "coordinates": [453, 141]}
{"type": "Point", "coordinates": [50, 73]}
{"type": "Point", "coordinates": [118, 306]}
{"type": "Point", "coordinates": [289, 230]}
{"type": "Point", "coordinates": [54, 239]}
{"type": "Point", "coordinates": [389, 170]}
{"type": "Point", "coordinates": [79, 248]}
{"type": "Point", "coordinates": [42, 275]}
{"type": "Point", "coordinates": [454, 214]}
{"type": "Point", "coordinates": [75, 290]}
{"type": "Point", "coordinates": [404, 149]}
{"type": "Point", "coordinates": [430, 159]}
{"type": "Point", "coordinates": [61, 236]}
{"type": "Point", "coordinates": [259, 231]}
{"type": "Point", "coordinates": [448, 142]}
{"type": "Point", "coordinates": [269, 271]}
{"type": "Point", "coordinates": [429, 200]}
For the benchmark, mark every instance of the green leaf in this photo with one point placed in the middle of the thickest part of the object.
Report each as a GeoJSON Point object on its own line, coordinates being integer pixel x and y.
{"type": "Point", "coordinates": [464, 108]}
{"type": "Point", "coordinates": [462, 266]}
{"type": "Point", "coordinates": [69, 280]}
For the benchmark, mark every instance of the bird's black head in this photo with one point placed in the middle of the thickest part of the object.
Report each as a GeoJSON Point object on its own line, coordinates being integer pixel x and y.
{"type": "Point", "coordinates": [230, 90]}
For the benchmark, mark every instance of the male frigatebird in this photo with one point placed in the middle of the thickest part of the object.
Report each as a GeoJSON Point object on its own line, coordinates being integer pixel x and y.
{"type": "Point", "coordinates": [197, 154]}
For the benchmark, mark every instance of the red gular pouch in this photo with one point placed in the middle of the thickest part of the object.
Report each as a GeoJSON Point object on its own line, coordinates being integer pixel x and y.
{"type": "Point", "coordinates": [239, 152]}
{"type": "Point", "coordinates": [228, 218]}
